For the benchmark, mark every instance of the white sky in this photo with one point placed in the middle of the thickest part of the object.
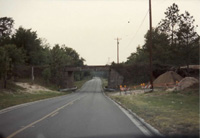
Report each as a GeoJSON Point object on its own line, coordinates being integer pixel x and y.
{"type": "Point", "coordinates": [90, 26]}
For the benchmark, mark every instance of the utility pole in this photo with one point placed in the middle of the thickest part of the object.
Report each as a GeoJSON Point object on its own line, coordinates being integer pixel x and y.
{"type": "Point", "coordinates": [150, 46]}
{"type": "Point", "coordinates": [118, 49]}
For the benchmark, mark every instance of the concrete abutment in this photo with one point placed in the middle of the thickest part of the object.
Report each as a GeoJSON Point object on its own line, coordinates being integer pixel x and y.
{"type": "Point", "coordinates": [114, 78]}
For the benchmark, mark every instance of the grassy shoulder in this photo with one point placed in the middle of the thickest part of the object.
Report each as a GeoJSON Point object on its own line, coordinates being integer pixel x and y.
{"type": "Point", "coordinates": [15, 95]}
{"type": "Point", "coordinates": [104, 82]}
{"type": "Point", "coordinates": [80, 83]}
{"type": "Point", "coordinates": [11, 99]}
{"type": "Point", "coordinates": [172, 113]}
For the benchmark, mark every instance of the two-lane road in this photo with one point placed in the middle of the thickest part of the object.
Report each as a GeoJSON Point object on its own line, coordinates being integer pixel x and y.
{"type": "Point", "coordinates": [87, 113]}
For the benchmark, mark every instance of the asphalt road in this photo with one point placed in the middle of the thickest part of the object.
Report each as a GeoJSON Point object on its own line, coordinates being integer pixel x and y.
{"type": "Point", "coordinates": [87, 113]}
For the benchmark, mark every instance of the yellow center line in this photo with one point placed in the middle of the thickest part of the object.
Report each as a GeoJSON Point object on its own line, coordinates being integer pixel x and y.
{"type": "Point", "coordinates": [54, 114]}
{"type": "Point", "coordinates": [46, 116]}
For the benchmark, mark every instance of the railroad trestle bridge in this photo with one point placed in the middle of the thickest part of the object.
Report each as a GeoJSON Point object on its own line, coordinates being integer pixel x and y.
{"type": "Point", "coordinates": [114, 78]}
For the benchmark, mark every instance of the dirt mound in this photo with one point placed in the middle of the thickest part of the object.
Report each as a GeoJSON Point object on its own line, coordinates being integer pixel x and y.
{"type": "Point", "coordinates": [31, 88]}
{"type": "Point", "coordinates": [168, 79]}
{"type": "Point", "coordinates": [186, 83]}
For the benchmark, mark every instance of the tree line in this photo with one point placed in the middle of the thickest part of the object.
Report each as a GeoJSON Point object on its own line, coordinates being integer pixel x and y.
{"type": "Point", "coordinates": [175, 41]}
{"type": "Point", "coordinates": [24, 47]}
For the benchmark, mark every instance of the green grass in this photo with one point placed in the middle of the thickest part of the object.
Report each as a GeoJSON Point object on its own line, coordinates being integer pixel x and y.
{"type": "Point", "coordinates": [79, 84]}
{"type": "Point", "coordinates": [172, 113]}
{"type": "Point", "coordinates": [104, 82]}
{"type": "Point", "coordinates": [13, 95]}
{"type": "Point", "coordinates": [11, 99]}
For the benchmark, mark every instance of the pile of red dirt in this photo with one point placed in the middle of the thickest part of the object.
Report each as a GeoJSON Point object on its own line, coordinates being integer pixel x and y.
{"type": "Point", "coordinates": [168, 79]}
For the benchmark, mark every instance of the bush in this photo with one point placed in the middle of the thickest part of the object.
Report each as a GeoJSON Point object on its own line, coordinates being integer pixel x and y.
{"type": "Point", "coordinates": [46, 74]}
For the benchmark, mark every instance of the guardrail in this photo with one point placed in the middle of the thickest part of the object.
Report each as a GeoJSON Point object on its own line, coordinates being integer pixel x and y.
{"type": "Point", "coordinates": [68, 89]}
{"type": "Point", "coordinates": [109, 89]}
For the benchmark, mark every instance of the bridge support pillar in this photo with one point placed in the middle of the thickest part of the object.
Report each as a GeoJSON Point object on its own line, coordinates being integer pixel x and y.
{"type": "Point", "coordinates": [70, 79]}
{"type": "Point", "coordinates": [114, 79]}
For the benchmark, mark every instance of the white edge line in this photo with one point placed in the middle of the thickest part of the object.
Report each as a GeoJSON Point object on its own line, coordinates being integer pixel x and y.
{"type": "Point", "coordinates": [53, 113]}
{"type": "Point", "coordinates": [134, 121]}
{"type": "Point", "coordinates": [142, 125]}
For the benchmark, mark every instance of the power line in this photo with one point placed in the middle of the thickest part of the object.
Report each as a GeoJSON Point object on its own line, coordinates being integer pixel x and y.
{"type": "Point", "coordinates": [161, 2]}
{"type": "Point", "coordinates": [138, 29]}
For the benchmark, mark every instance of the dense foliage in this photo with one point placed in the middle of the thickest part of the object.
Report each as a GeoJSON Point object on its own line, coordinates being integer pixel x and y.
{"type": "Point", "coordinates": [24, 47]}
{"type": "Point", "coordinates": [175, 41]}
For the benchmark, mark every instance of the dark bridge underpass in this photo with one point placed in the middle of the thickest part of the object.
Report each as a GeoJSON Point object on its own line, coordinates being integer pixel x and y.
{"type": "Point", "coordinates": [114, 78]}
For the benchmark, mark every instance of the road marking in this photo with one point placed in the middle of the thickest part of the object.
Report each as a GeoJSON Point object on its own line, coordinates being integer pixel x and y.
{"type": "Point", "coordinates": [137, 123]}
{"type": "Point", "coordinates": [54, 114]}
{"type": "Point", "coordinates": [43, 118]}
{"type": "Point", "coordinates": [14, 107]}
{"type": "Point", "coordinates": [8, 109]}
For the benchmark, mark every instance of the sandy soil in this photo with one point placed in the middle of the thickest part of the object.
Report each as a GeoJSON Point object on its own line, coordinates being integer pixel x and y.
{"type": "Point", "coordinates": [31, 88]}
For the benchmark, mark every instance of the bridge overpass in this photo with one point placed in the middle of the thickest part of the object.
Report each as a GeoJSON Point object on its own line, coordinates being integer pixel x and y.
{"type": "Point", "coordinates": [114, 78]}
{"type": "Point", "coordinates": [87, 68]}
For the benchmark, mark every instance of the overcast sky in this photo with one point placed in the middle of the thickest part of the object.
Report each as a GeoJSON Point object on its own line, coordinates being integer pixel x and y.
{"type": "Point", "coordinates": [91, 26]}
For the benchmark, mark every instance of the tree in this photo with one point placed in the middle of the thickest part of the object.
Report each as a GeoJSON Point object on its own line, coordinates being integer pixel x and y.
{"type": "Point", "coordinates": [160, 47]}
{"type": "Point", "coordinates": [184, 40]}
{"type": "Point", "coordinates": [170, 23]}
{"type": "Point", "coordinates": [60, 58]}
{"type": "Point", "coordinates": [160, 52]}
{"type": "Point", "coordinates": [140, 56]}
{"type": "Point", "coordinates": [74, 57]}
{"type": "Point", "coordinates": [6, 25]}
{"type": "Point", "coordinates": [188, 40]}
{"type": "Point", "coordinates": [46, 74]}
{"type": "Point", "coordinates": [31, 44]}
{"type": "Point", "coordinates": [10, 56]}
{"type": "Point", "coordinates": [132, 58]}
{"type": "Point", "coordinates": [25, 47]}
{"type": "Point", "coordinates": [46, 52]}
